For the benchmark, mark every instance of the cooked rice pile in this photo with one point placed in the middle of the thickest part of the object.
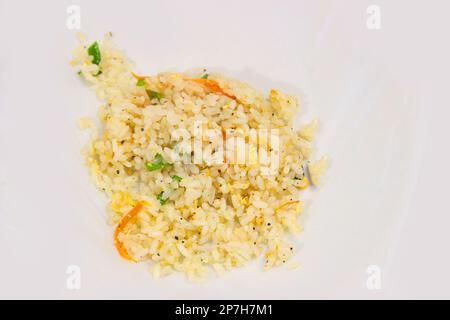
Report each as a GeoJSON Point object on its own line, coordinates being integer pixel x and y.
{"type": "Point", "coordinates": [188, 217]}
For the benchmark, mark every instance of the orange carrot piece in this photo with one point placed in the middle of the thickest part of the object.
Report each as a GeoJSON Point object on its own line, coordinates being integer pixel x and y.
{"type": "Point", "coordinates": [224, 134]}
{"type": "Point", "coordinates": [119, 245]}
{"type": "Point", "coordinates": [224, 141]}
{"type": "Point", "coordinates": [212, 85]}
{"type": "Point", "coordinates": [138, 77]}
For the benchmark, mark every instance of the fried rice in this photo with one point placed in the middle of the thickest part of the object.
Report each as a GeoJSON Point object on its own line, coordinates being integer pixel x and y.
{"type": "Point", "coordinates": [178, 210]}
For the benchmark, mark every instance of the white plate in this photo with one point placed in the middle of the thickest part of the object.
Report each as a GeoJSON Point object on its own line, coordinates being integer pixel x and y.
{"type": "Point", "coordinates": [363, 84]}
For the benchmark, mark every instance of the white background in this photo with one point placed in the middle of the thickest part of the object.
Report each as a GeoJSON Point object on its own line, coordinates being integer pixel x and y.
{"type": "Point", "coordinates": [381, 96]}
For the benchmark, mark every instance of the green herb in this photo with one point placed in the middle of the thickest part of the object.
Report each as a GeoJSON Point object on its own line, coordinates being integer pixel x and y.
{"type": "Point", "coordinates": [140, 83]}
{"type": "Point", "coordinates": [98, 73]}
{"type": "Point", "coordinates": [79, 72]}
{"type": "Point", "coordinates": [154, 94]}
{"type": "Point", "coordinates": [205, 76]}
{"type": "Point", "coordinates": [94, 51]}
{"type": "Point", "coordinates": [162, 198]}
{"type": "Point", "coordinates": [176, 178]}
{"type": "Point", "coordinates": [157, 163]}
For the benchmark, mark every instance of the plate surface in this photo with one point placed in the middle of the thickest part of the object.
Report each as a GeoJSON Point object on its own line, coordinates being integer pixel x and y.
{"type": "Point", "coordinates": [382, 125]}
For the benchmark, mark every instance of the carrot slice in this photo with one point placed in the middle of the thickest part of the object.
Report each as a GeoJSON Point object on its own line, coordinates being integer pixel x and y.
{"type": "Point", "coordinates": [120, 227]}
{"type": "Point", "coordinates": [212, 85]}
{"type": "Point", "coordinates": [224, 141]}
{"type": "Point", "coordinates": [138, 77]}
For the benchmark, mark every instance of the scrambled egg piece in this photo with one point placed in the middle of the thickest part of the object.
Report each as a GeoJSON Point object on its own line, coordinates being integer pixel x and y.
{"type": "Point", "coordinates": [283, 103]}
{"type": "Point", "coordinates": [307, 131]}
{"type": "Point", "coordinates": [316, 169]}
{"type": "Point", "coordinates": [121, 199]}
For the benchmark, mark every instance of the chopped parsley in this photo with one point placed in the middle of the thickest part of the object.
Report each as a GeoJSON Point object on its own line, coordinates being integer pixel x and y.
{"type": "Point", "coordinates": [154, 94]}
{"type": "Point", "coordinates": [162, 197]}
{"type": "Point", "coordinates": [157, 163]}
{"type": "Point", "coordinates": [140, 83]}
{"type": "Point", "coordinates": [176, 178]}
{"type": "Point", "coordinates": [94, 51]}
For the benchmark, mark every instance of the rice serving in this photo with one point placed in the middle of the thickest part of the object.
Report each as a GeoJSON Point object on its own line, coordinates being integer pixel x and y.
{"type": "Point", "coordinates": [183, 200]}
